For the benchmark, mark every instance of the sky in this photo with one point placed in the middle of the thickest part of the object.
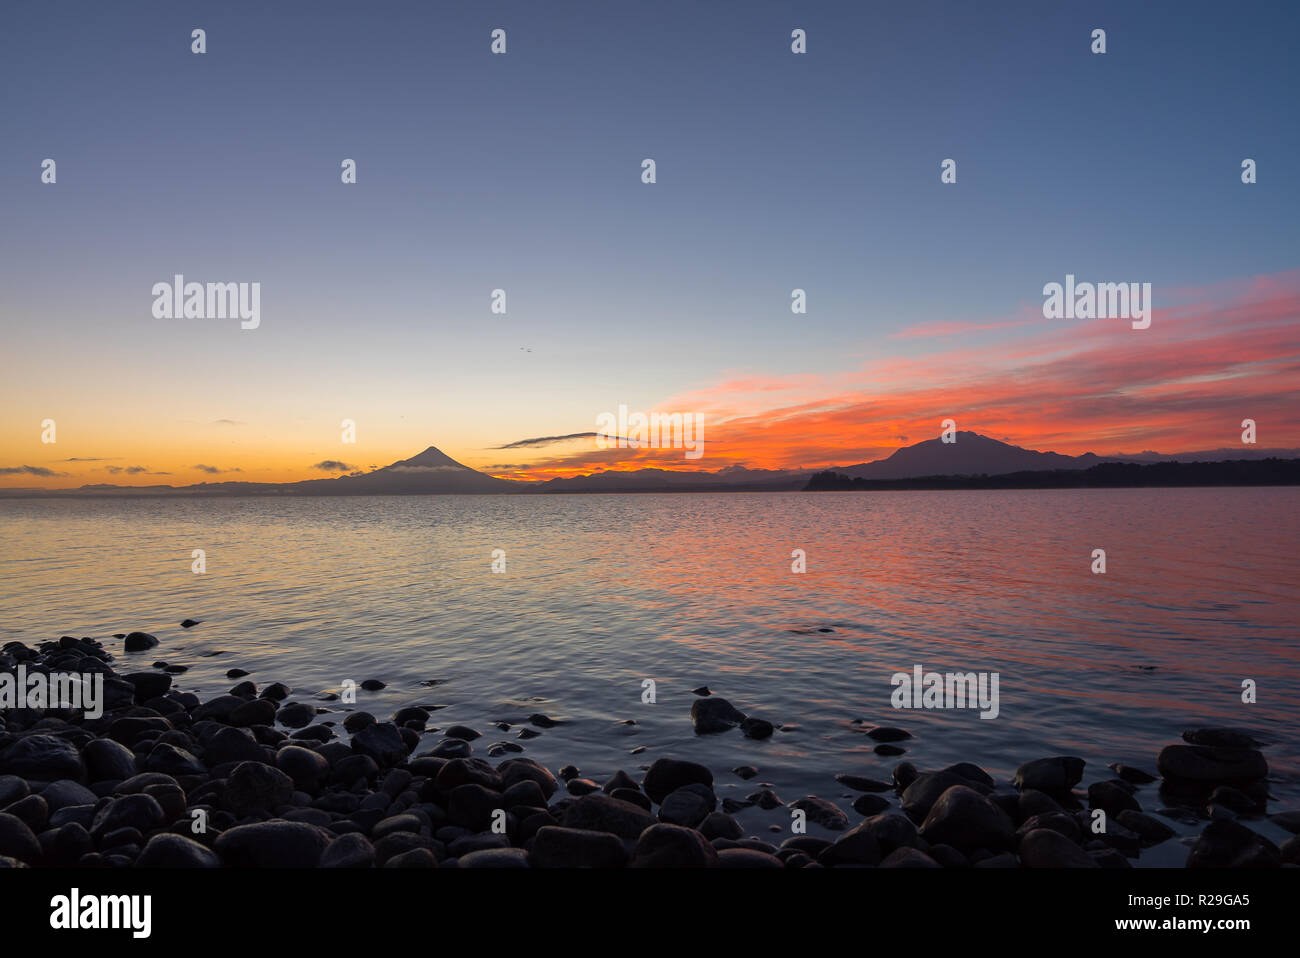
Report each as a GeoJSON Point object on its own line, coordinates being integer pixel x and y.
{"type": "Point", "coordinates": [775, 171]}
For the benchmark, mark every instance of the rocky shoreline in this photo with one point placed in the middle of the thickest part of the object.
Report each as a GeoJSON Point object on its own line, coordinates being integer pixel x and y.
{"type": "Point", "coordinates": [251, 779]}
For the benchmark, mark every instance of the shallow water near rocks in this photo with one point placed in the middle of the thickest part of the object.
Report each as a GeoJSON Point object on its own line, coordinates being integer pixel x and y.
{"type": "Point", "coordinates": [603, 592]}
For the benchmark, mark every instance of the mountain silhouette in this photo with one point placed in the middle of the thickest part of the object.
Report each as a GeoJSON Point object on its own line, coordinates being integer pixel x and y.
{"type": "Point", "coordinates": [971, 455]}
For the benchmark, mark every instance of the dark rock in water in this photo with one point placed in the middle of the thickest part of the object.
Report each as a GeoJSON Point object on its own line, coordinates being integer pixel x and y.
{"type": "Point", "coordinates": [869, 805]}
{"type": "Point", "coordinates": [277, 691]}
{"type": "Point", "coordinates": [495, 858]}
{"type": "Point", "coordinates": [218, 708]}
{"type": "Point", "coordinates": [1047, 848]}
{"type": "Point", "coordinates": [543, 721]}
{"type": "Point", "coordinates": [167, 850]}
{"type": "Point", "coordinates": [349, 851]}
{"type": "Point", "coordinates": [965, 819]}
{"type": "Point", "coordinates": [889, 750]}
{"type": "Point", "coordinates": [1288, 820]}
{"type": "Point", "coordinates": [356, 721]}
{"type": "Point", "coordinates": [381, 742]}
{"type": "Point", "coordinates": [1236, 800]}
{"type": "Point", "coordinates": [254, 787]}
{"type": "Point", "coordinates": [475, 771]}
{"type": "Point", "coordinates": [138, 641]}
{"type": "Point", "coordinates": [373, 685]}
{"type": "Point", "coordinates": [245, 690]}
{"type": "Point", "coordinates": [557, 847]}
{"type": "Point", "coordinates": [686, 806]}
{"type": "Point", "coordinates": [605, 813]}
{"type": "Point", "coordinates": [904, 774]}
{"type": "Point", "coordinates": [17, 840]}
{"type": "Point", "coordinates": [581, 786]}
{"type": "Point", "coordinates": [149, 685]}
{"type": "Point", "coordinates": [745, 772]}
{"type": "Point", "coordinates": [514, 770]}
{"type": "Point", "coordinates": [1128, 773]}
{"type": "Point", "coordinates": [463, 732]}
{"type": "Point", "coordinates": [1227, 844]}
{"type": "Point", "coordinates": [721, 825]}
{"type": "Point", "coordinates": [1224, 737]}
{"type": "Point", "coordinates": [190, 623]}
{"type": "Point", "coordinates": [236, 673]}
{"type": "Point", "coordinates": [568, 772]}
{"type": "Point", "coordinates": [1051, 775]}
{"type": "Point", "coordinates": [765, 799]}
{"type": "Point", "coordinates": [43, 758]}
{"type": "Point", "coordinates": [632, 795]}
{"type": "Point", "coordinates": [908, 858]}
{"type": "Point", "coordinates": [497, 749]}
{"type": "Point", "coordinates": [702, 690]}
{"type": "Point", "coordinates": [273, 844]}
{"type": "Point", "coordinates": [712, 715]}
{"type": "Point", "coordinates": [756, 728]}
{"type": "Point", "coordinates": [106, 760]}
{"type": "Point", "coordinates": [672, 846]}
{"type": "Point", "coordinates": [1211, 764]}
{"type": "Point", "coordinates": [1111, 798]}
{"type": "Point", "coordinates": [918, 798]}
{"type": "Point", "coordinates": [619, 779]}
{"type": "Point", "coordinates": [860, 784]}
{"type": "Point", "coordinates": [1150, 830]}
{"type": "Point", "coordinates": [821, 812]}
{"type": "Point", "coordinates": [292, 715]}
{"type": "Point", "coordinates": [888, 733]}
{"type": "Point", "coordinates": [667, 775]}
{"type": "Point", "coordinates": [527, 733]}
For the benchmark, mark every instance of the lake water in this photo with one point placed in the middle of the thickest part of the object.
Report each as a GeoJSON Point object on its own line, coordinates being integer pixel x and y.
{"type": "Point", "coordinates": [603, 592]}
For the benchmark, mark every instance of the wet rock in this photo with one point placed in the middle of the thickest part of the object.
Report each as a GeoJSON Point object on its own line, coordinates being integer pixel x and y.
{"type": "Point", "coordinates": [149, 685]}
{"type": "Point", "coordinates": [888, 733]}
{"type": "Point", "coordinates": [667, 775]}
{"type": "Point", "coordinates": [605, 813]}
{"type": "Point", "coordinates": [908, 858]}
{"type": "Point", "coordinates": [1113, 799]}
{"type": "Point", "coordinates": [965, 819]}
{"type": "Point", "coordinates": [1224, 737]}
{"type": "Point", "coordinates": [821, 812]}
{"type": "Point", "coordinates": [1227, 844]}
{"type": "Point", "coordinates": [230, 744]}
{"type": "Point", "coordinates": [43, 758]}
{"type": "Point", "coordinates": [557, 847]}
{"type": "Point", "coordinates": [17, 840]}
{"type": "Point", "coordinates": [745, 772]}
{"type": "Point", "coordinates": [190, 623]}
{"type": "Point", "coordinates": [1211, 764]}
{"type": "Point", "coordinates": [889, 750]}
{"type": "Point", "coordinates": [711, 715]}
{"type": "Point", "coordinates": [381, 742]}
{"type": "Point", "coordinates": [1236, 800]}
{"type": "Point", "coordinates": [1051, 775]}
{"type": "Point", "coordinates": [765, 799]}
{"type": "Point", "coordinates": [756, 728]}
{"type": "Point", "coordinates": [1062, 822]}
{"type": "Point", "coordinates": [308, 770]}
{"type": "Point", "coordinates": [721, 825]}
{"type": "Point", "coordinates": [518, 769]}
{"type": "Point", "coordinates": [619, 779]}
{"type": "Point", "coordinates": [356, 721]}
{"type": "Point", "coordinates": [462, 732]}
{"type": "Point", "coordinates": [292, 715]}
{"type": "Point", "coordinates": [673, 846]}
{"type": "Point", "coordinates": [869, 805]}
{"type": "Point", "coordinates": [273, 844]}
{"type": "Point", "coordinates": [581, 786]}
{"type": "Point", "coordinates": [138, 641]}
{"type": "Point", "coordinates": [138, 811]}
{"type": "Point", "coordinates": [495, 858]}
{"type": "Point", "coordinates": [1150, 830]}
{"type": "Point", "coordinates": [860, 784]}
{"type": "Point", "coordinates": [349, 851]}
{"type": "Point", "coordinates": [1047, 848]}
{"type": "Point", "coordinates": [904, 774]}
{"type": "Point", "coordinates": [686, 806]}
{"type": "Point", "coordinates": [543, 721]}
{"type": "Point", "coordinates": [254, 787]}
{"type": "Point", "coordinates": [64, 793]}
{"type": "Point", "coordinates": [167, 850]}
{"type": "Point", "coordinates": [474, 771]}
{"type": "Point", "coordinates": [1134, 776]}
{"type": "Point", "coordinates": [373, 685]}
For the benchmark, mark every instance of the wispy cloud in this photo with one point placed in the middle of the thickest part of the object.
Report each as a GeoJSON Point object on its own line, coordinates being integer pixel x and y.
{"type": "Point", "coordinates": [213, 470]}
{"type": "Point", "coordinates": [29, 471]}
{"type": "Point", "coordinates": [332, 465]}
{"type": "Point", "coordinates": [545, 441]}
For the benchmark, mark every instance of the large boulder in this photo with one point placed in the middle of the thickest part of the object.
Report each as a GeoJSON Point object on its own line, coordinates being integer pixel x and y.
{"type": "Point", "coordinates": [965, 819]}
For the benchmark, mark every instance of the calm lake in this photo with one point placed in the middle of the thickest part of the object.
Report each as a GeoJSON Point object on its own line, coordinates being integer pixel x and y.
{"type": "Point", "coordinates": [600, 593]}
